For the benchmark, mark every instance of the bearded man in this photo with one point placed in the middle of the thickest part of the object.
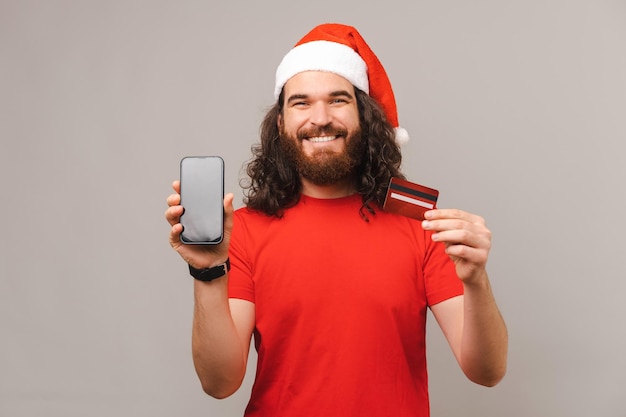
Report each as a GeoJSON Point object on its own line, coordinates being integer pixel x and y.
{"type": "Point", "coordinates": [335, 290]}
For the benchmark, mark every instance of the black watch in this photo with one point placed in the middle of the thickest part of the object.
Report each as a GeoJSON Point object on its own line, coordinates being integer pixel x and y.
{"type": "Point", "coordinates": [209, 274]}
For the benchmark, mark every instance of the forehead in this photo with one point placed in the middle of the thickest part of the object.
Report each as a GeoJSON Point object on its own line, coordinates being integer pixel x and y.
{"type": "Point", "coordinates": [316, 83]}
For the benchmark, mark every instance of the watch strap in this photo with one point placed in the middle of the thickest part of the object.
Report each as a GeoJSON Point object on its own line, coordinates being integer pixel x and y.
{"type": "Point", "coordinates": [209, 274]}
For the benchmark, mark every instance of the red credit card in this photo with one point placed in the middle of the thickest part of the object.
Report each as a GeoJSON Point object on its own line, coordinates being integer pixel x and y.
{"type": "Point", "coordinates": [409, 199]}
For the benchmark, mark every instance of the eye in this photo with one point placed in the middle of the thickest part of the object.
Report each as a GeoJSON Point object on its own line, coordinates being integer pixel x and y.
{"type": "Point", "coordinates": [340, 100]}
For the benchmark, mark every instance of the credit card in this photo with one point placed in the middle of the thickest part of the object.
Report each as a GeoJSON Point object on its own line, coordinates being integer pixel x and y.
{"type": "Point", "coordinates": [409, 199]}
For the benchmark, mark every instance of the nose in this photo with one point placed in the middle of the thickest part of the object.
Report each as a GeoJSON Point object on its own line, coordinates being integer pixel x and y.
{"type": "Point", "coordinates": [320, 114]}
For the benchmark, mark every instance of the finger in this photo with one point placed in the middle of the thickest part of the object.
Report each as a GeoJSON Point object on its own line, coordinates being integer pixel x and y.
{"type": "Point", "coordinates": [441, 225]}
{"type": "Point", "coordinates": [173, 200]}
{"type": "Point", "coordinates": [176, 186]}
{"type": "Point", "coordinates": [469, 254]}
{"type": "Point", "coordinates": [453, 214]}
{"type": "Point", "coordinates": [444, 214]}
{"type": "Point", "coordinates": [175, 232]}
{"type": "Point", "coordinates": [172, 214]}
{"type": "Point", "coordinates": [463, 237]}
{"type": "Point", "coordinates": [445, 224]}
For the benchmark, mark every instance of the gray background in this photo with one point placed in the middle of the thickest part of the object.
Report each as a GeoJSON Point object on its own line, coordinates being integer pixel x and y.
{"type": "Point", "coordinates": [515, 111]}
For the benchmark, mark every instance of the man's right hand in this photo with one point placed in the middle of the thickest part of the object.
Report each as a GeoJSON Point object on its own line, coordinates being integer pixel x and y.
{"type": "Point", "coordinates": [198, 256]}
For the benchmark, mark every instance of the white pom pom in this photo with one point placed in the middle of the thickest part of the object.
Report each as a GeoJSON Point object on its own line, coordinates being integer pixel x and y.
{"type": "Point", "coordinates": [402, 136]}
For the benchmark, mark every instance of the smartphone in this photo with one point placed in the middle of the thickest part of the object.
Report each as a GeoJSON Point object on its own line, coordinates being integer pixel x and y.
{"type": "Point", "coordinates": [202, 198]}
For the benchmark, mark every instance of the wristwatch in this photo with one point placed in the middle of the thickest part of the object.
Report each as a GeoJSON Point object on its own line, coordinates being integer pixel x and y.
{"type": "Point", "coordinates": [209, 274]}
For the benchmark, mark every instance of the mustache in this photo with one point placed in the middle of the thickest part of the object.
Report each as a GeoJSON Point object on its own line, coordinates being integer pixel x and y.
{"type": "Point", "coordinates": [322, 131]}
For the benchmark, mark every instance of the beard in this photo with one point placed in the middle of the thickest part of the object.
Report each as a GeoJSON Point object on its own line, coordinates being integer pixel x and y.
{"type": "Point", "coordinates": [324, 166]}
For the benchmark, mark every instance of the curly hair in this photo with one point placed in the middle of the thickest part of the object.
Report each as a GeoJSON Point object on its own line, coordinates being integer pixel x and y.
{"type": "Point", "coordinates": [274, 183]}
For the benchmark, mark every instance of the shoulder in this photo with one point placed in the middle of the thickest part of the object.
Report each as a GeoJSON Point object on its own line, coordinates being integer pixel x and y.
{"type": "Point", "coordinates": [247, 217]}
{"type": "Point", "coordinates": [400, 223]}
{"type": "Point", "coordinates": [248, 213]}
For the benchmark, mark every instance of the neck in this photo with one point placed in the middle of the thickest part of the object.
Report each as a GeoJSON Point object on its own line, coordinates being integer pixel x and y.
{"type": "Point", "coordinates": [339, 189]}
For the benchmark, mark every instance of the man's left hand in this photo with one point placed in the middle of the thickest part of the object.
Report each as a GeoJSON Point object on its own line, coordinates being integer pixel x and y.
{"type": "Point", "coordinates": [467, 240]}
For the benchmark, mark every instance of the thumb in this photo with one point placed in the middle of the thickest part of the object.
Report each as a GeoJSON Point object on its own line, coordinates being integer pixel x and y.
{"type": "Point", "coordinates": [228, 211]}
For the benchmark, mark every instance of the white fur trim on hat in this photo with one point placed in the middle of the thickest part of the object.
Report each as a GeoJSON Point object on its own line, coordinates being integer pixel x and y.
{"type": "Point", "coordinates": [323, 56]}
{"type": "Point", "coordinates": [402, 136]}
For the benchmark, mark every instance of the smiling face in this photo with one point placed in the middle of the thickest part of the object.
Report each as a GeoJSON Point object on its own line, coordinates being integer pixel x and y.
{"type": "Point", "coordinates": [319, 126]}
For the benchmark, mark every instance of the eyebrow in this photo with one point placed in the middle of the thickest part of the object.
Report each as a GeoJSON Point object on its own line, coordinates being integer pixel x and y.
{"type": "Point", "coordinates": [338, 93]}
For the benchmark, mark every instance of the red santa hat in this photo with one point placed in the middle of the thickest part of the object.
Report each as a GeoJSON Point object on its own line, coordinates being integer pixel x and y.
{"type": "Point", "coordinates": [341, 50]}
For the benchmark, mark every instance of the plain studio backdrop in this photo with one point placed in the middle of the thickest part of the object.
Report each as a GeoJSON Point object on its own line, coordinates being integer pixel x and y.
{"type": "Point", "coordinates": [516, 111]}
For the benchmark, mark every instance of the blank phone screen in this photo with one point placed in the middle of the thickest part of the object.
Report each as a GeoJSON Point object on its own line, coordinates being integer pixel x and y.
{"type": "Point", "coordinates": [202, 196]}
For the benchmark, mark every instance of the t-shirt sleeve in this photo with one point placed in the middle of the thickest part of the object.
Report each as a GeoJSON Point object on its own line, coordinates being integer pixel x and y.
{"type": "Point", "coordinates": [240, 282]}
{"type": "Point", "coordinates": [440, 279]}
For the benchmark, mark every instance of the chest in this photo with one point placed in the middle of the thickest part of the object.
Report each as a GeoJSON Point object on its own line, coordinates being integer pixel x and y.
{"type": "Point", "coordinates": [344, 270]}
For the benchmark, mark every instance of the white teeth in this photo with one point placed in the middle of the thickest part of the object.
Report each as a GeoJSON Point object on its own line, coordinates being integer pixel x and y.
{"type": "Point", "coordinates": [321, 139]}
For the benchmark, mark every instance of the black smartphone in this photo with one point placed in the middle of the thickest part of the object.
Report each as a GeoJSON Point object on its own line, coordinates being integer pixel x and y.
{"type": "Point", "coordinates": [202, 198]}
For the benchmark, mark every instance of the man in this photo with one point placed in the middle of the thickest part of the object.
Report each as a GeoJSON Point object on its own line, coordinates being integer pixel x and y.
{"type": "Point", "coordinates": [334, 289]}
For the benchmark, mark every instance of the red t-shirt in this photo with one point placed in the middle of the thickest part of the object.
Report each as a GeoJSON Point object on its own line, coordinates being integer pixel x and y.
{"type": "Point", "coordinates": [340, 308]}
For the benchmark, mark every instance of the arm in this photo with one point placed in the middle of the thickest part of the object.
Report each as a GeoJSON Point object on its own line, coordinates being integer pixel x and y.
{"type": "Point", "coordinates": [472, 322]}
{"type": "Point", "coordinates": [221, 334]}
{"type": "Point", "coordinates": [222, 328]}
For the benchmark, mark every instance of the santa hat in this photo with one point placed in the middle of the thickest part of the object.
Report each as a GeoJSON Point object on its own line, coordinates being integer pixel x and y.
{"type": "Point", "coordinates": [341, 50]}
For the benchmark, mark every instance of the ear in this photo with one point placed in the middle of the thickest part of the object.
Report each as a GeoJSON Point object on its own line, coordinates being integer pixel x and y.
{"type": "Point", "coordinates": [279, 121]}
